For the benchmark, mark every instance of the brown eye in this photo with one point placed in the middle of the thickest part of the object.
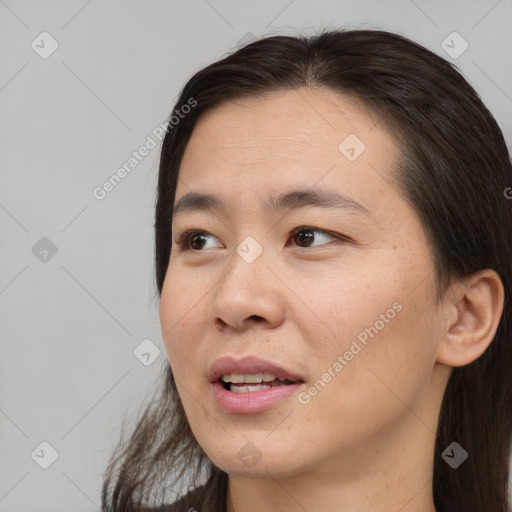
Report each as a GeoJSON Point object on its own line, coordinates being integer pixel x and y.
{"type": "Point", "coordinates": [304, 237]}
{"type": "Point", "coordinates": [196, 241]}
{"type": "Point", "coordinates": [193, 239]}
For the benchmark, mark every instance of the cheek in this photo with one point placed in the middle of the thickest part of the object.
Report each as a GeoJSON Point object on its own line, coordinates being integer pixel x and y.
{"type": "Point", "coordinates": [182, 317]}
{"type": "Point", "coordinates": [391, 366]}
{"type": "Point", "coordinates": [384, 334]}
{"type": "Point", "coordinates": [344, 307]}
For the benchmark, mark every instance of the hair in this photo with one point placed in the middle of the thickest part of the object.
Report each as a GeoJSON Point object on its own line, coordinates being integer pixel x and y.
{"type": "Point", "coordinates": [453, 168]}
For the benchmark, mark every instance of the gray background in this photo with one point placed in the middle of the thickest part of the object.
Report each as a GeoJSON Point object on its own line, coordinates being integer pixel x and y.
{"type": "Point", "coordinates": [70, 321]}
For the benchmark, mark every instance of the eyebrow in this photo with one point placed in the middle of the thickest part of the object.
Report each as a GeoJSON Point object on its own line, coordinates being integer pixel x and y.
{"type": "Point", "coordinates": [293, 200]}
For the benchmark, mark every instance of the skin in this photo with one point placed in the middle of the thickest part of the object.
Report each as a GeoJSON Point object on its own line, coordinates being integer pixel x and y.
{"type": "Point", "coordinates": [365, 442]}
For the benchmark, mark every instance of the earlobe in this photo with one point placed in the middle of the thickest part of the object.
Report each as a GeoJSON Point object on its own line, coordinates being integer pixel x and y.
{"type": "Point", "coordinates": [474, 308]}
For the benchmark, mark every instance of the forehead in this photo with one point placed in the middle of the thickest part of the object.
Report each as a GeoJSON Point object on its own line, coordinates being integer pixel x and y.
{"type": "Point", "coordinates": [286, 127]}
{"type": "Point", "coordinates": [250, 149]}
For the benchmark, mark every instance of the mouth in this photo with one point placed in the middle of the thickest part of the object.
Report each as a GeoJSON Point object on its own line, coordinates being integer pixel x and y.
{"type": "Point", "coordinates": [251, 385]}
{"type": "Point", "coordinates": [251, 382]}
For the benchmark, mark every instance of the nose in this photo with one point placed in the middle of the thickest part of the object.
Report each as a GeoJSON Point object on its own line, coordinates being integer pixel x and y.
{"type": "Point", "coordinates": [248, 294]}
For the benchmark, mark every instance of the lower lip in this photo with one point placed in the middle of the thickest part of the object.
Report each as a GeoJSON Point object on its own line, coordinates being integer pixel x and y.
{"type": "Point", "coordinates": [252, 401]}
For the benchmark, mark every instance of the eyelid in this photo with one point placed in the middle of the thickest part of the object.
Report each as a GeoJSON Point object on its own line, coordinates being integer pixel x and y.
{"type": "Point", "coordinates": [183, 240]}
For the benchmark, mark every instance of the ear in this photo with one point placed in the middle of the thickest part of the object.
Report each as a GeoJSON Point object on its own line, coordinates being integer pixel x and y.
{"type": "Point", "coordinates": [472, 312]}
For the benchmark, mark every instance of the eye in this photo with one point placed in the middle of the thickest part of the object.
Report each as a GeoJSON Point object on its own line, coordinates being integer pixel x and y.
{"type": "Point", "coordinates": [303, 236]}
{"type": "Point", "coordinates": [193, 239]}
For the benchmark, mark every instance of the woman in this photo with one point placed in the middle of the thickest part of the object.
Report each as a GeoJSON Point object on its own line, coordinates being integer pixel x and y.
{"type": "Point", "coordinates": [335, 306]}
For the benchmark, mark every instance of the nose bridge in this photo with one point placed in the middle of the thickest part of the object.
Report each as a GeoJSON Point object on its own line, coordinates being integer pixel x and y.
{"type": "Point", "coordinates": [247, 289]}
{"type": "Point", "coordinates": [245, 275]}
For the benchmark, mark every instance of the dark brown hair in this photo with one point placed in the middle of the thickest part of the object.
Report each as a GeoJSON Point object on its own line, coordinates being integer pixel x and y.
{"type": "Point", "coordinates": [453, 169]}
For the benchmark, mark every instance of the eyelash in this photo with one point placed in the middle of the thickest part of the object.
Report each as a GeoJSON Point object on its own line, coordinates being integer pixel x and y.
{"type": "Point", "coordinates": [183, 241]}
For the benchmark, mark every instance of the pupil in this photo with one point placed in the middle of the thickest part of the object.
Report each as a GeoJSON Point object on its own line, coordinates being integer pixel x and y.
{"type": "Point", "coordinates": [304, 236]}
{"type": "Point", "coordinates": [194, 245]}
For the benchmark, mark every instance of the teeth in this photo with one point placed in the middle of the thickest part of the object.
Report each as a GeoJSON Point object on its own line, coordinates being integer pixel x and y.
{"type": "Point", "coordinates": [252, 378]}
{"type": "Point", "coordinates": [249, 378]}
{"type": "Point", "coordinates": [248, 389]}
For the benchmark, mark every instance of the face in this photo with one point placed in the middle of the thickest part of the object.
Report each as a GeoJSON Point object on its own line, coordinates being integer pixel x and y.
{"type": "Point", "coordinates": [335, 294]}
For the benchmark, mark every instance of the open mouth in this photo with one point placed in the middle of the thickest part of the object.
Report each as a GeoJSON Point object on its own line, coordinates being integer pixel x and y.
{"type": "Point", "coordinates": [250, 382]}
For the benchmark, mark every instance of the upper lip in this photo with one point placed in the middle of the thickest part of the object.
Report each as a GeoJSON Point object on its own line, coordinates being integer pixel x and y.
{"type": "Point", "coordinates": [248, 364]}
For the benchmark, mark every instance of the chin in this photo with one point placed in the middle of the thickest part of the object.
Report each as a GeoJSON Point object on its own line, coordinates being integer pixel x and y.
{"type": "Point", "coordinates": [252, 462]}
